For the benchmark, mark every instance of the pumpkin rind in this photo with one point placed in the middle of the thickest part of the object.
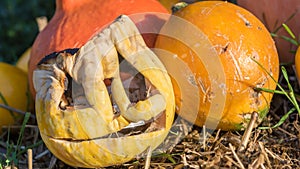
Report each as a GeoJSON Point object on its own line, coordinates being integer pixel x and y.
{"type": "Point", "coordinates": [297, 63]}
{"type": "Point", "coordinates": [239, 38]}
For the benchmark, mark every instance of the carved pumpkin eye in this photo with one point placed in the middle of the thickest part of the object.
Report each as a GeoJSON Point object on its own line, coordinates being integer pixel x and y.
{"type": "Point", "coordinates": [87, 123]}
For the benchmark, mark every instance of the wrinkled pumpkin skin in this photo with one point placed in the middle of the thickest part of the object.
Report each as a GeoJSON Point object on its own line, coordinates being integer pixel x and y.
{"type": "Point", "coordinates": [75, 22]}
{"type": "Point", "coordinates": [238, 37]}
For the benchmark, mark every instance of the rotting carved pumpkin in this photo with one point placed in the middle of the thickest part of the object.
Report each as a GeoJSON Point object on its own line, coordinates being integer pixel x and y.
{"type": "Point", "coordinates": [238, 39]}
{"type": "Point", "coordinates": [75, 22]}
{"type": "Point", "coordinates": [74, 109]}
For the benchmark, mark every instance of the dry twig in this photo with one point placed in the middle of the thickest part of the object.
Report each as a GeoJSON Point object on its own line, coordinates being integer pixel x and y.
{"type": "Point", "coordinates": [247, 134]}
{"type": "Point", "coordinates": [236, 156]}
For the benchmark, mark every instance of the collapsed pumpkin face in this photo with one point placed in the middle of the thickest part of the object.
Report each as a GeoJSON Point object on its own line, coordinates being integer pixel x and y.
{"type": "Point", "coordinates": [86, 125]}
{"type": "Point", "coordinates": [225, 47]}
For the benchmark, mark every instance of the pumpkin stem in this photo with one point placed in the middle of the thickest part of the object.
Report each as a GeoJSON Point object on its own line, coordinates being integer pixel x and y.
{"type": "Point", "coordinates": [178, 6]}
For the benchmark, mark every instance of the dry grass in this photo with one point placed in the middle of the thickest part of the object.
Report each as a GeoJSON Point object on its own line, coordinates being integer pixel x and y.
{"type": "Point", "coordinates": [273, 148]}
{"type": "Point", "coordinates": [270, 148]}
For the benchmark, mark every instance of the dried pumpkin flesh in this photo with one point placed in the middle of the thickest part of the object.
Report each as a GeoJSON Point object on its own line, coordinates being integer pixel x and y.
{"type": "Point", "coordinates": [84, 131]}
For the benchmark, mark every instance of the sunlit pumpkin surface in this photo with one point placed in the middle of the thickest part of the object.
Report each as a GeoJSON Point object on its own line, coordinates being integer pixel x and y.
{"type": "Point", "coordinates": [238, 38]}
{"type": "Point", "coordinates": [23, 61]}
{"type": "Point", "coordinates": [13, 87]}
{"type": "Point", "coordinates": [297, 63]}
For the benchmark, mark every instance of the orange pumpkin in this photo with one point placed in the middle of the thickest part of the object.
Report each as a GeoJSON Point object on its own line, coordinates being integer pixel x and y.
{"type": "Point", "coordinates": [297, 63]}
{"type": "Point", "coordinates": [219, 42]}
{"type": "Point", "coordinates": [273, 13]}
{"type": "Point", "coordinates": [75, 22]}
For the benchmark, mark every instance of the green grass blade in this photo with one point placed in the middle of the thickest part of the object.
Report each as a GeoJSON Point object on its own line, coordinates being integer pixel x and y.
{"type": "Point", "coordinates": [274, 35]}
{"type": "Point", "coordinates": [170, 158]}
{"type": "Point", "coordinates": [277, 84]}
{"type": "Point", "coordinates": [292, 51]}
{"type": "Point", "coordinates": [26, 118]}
{"type": "Point", "coordinates": [9, 148]}
{"type": "Point", "coordinates": [290, 94]}
{"type": "Point", "coordinates": [261, 66]}
{"type": "Point", "coordinates": [289, 31]}
{"type": "Point", "coordinates": [286, 77]}
{"type": "Point", "coordinates": [292, 41]}
{"type": "Point", "coordinates": [270, 91]}
{"type": "Point", "coordinates": [289, 18]}
{"type": "Point", "coordinates": [30, 147]}
{"type": "Point", "coordinates": [282, 119]}
{"type": "Point", "coordinates": [28, 101]}
{"type": "Point", "coordinates": [291, 90]}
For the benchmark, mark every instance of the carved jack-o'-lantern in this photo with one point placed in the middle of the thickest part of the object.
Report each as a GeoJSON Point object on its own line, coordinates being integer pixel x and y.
{"type": "Point", "coordinates": [84, 123]}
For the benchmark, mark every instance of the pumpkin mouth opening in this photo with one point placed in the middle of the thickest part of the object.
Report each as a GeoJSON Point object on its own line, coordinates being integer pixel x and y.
{"type": "Point", "coordinates": [134, 129]}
